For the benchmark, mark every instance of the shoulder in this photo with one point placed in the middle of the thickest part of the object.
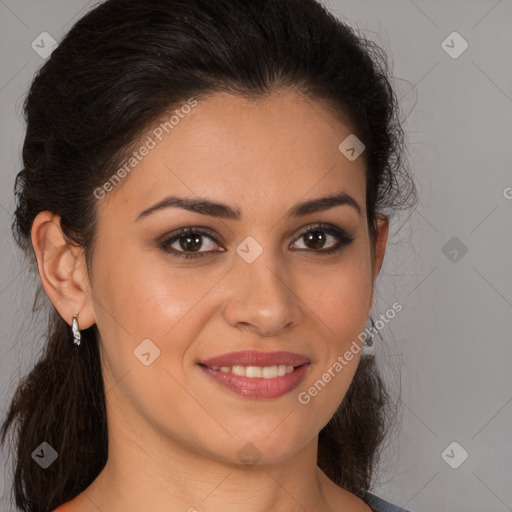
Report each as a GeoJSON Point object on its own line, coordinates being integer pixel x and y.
{"type": "Point", "coordinates": [380, 505]}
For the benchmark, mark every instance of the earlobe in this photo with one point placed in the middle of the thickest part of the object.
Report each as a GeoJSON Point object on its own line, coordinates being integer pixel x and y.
{"type": "Point", "coordinates": [62, 270]}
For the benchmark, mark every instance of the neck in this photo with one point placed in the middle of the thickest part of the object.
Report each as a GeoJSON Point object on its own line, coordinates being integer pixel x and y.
{"type": "Point", "coordinates": [165, 479]}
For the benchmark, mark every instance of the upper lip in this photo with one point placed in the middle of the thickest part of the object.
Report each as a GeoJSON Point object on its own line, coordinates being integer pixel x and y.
{"type": "Point", "coordinates": [254, 358]}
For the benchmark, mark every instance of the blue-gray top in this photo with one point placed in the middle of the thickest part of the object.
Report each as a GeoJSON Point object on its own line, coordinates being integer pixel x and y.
{"type": "Point", "coordinates": [379, 505]}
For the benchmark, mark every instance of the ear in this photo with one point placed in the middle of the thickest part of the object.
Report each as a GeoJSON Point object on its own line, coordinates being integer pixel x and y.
{"type": "Point", "coordinates": [380, 245]}
{"type": "Point", "coordinates": [378, 252]}
{"type": "Point", "coordinates": [62, 269]}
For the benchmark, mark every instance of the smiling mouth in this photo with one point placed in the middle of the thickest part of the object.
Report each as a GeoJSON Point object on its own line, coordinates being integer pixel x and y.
{"type": "Point", "coordinates": [256, 372]}
{"type": "Point", "coordinates": [257, 382]}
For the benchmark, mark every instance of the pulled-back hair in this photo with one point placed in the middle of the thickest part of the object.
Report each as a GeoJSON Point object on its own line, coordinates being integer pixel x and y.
{"type": "Point", "coordinates": [116, 72]}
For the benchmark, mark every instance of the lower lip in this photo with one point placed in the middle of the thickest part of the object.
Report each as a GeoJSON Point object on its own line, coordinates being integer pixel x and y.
{"type": "Point", "coordinates": [258, 387]}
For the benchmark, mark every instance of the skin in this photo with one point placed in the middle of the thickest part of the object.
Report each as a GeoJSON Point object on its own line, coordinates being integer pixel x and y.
{"type": "Point", "coordinates": [173, 433]}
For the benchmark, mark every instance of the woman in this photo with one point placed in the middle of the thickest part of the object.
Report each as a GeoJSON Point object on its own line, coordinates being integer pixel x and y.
{"type": "Point", "coordinates": [206, 191]}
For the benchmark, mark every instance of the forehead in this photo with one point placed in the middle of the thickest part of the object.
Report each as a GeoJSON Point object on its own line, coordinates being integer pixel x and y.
{"type": "Point", "coordinates": [268, 152]}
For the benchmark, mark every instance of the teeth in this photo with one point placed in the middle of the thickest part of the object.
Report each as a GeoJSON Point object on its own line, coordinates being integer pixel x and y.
{"type": "Point", "coordinates": [238, 370]}
{"type": "Point", "coordinates": [255, 372]}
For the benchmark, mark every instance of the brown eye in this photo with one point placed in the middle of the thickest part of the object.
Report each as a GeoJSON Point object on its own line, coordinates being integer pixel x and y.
{"type": "Point", "coordinates": [314, 239]}
{"type": "Point", "coordinates": [189, 241]}
{"type": "Point", "coordinates": [317, 237]}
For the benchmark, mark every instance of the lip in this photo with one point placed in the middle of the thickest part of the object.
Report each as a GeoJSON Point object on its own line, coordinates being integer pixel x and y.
{"type": "Point", "coordinates": [259, 388]}
{"type": "Point", "coordinates": [255, 358]}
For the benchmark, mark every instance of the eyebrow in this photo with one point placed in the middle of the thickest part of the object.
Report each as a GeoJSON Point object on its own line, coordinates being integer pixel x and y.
{"type": "Point", "coordinates": [205, 206]}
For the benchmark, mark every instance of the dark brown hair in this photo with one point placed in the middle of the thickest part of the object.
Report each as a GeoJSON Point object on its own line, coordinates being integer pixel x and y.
{"type": "Point", "coordinates": [116, 72]}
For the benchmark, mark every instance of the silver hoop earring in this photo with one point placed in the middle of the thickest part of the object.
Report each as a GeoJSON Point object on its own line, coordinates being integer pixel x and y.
{"type": "Point", "coordinates": [77, 337]}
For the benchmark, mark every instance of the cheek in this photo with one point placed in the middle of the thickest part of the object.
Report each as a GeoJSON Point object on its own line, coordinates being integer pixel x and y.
{"type": "Point", "coordinates": [143, 293]}
{"type": "Point", "coordinates": [340, 297]}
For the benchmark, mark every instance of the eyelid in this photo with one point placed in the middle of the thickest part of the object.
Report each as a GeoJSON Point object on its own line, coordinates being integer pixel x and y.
{"type": "Point", "coordinates": [203, 230]}
{"type": "Point", "coordinates": [330, 228]}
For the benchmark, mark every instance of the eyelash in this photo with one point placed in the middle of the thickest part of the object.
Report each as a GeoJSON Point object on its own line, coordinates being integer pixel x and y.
{"type": "Point", "coordinates": [343, 240]}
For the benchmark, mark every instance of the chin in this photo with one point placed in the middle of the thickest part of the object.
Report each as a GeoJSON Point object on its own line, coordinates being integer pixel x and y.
{"type": "Point", "coordinates": [260, 448]}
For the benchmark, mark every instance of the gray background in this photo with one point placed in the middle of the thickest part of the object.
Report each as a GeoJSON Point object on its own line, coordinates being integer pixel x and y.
{"type": "Point", "coordinates": [448, 352]}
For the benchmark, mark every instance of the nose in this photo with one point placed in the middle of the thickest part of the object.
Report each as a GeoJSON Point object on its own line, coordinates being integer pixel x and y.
{"type": "Point", "coordinates": [261, 296]}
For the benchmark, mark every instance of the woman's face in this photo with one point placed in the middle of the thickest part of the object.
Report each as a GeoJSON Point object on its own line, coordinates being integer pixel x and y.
{"type": "Point", "coordinates": [260, 282]}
